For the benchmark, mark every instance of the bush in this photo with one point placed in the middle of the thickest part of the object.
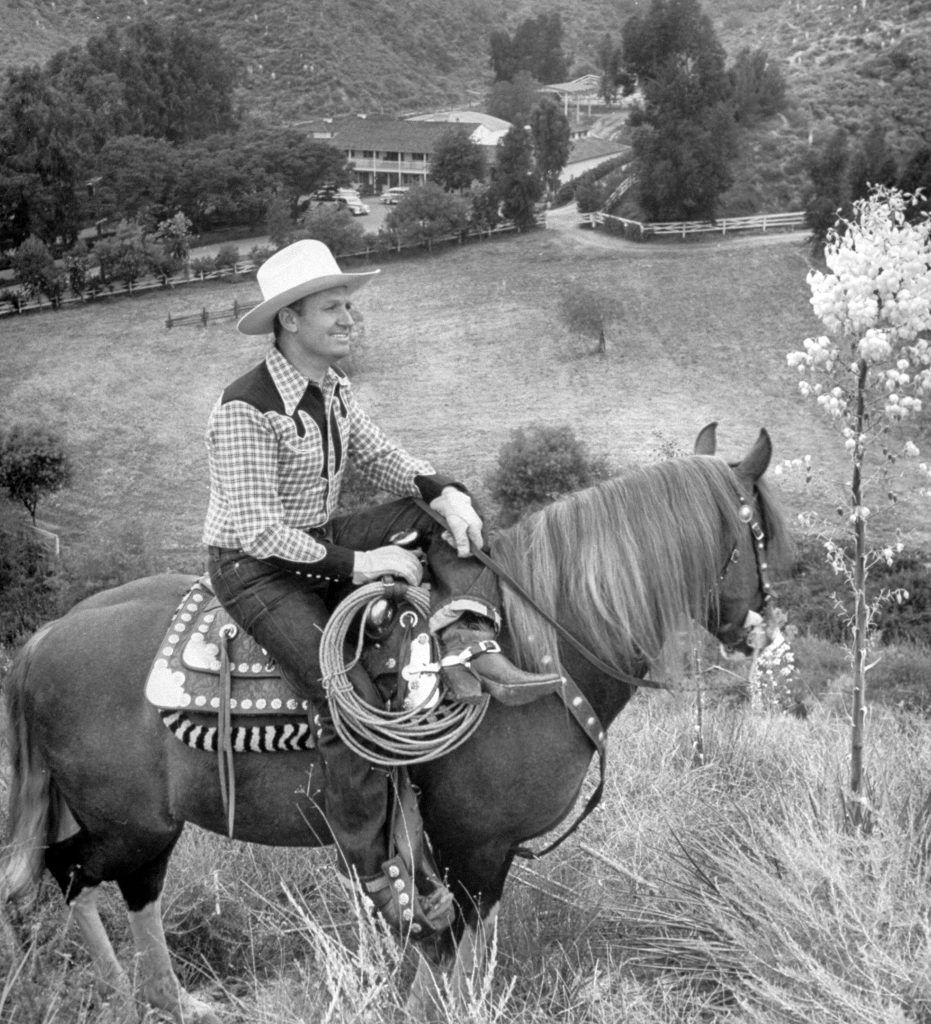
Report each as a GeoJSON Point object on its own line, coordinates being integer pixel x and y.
{"type": "Point", "coordinates": [539, 463]}
{"type": "Point", "coordinates": [227, 257]}
{"type": "Point", "coordinates": [29, 585]}
{"type": "Point", "coordinates": [809, 596]}
{"type": "Point", "coordinates": [33, 463]}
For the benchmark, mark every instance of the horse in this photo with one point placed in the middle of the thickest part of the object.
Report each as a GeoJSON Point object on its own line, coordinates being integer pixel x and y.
{"type": "Point", "coordinates": [100, 790]}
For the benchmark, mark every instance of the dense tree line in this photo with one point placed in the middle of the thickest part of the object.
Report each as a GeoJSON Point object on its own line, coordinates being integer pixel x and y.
{"type": "Point", "coordinates": [140, 123]}
{"type": "Point", "coordinates": [536, 47]}
{"type": "Point", "coordinates": [842, 171]}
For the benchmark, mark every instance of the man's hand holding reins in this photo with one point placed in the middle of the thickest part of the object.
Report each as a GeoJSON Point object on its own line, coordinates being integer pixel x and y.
{"type": "Point", "coordinates": [463, 525]}
{"type": "Point", "coordinates": [390, 560]}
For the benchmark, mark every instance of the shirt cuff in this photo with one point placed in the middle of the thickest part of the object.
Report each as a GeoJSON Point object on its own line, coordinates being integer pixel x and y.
{"type": "Point", "coordinates": [336, 565]}
{"type": "Point", "coordinates": [431, 487]}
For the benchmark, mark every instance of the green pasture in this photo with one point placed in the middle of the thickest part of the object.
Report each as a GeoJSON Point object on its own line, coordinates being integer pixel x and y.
{"type": "Point", "coordinates": [717, 883]}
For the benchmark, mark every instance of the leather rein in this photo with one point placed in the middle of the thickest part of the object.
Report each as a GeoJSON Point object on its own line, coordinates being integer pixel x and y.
{"type": "Point", "coordinates": [576, 702]}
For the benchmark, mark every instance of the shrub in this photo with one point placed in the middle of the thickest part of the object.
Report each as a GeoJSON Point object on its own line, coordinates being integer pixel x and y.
{"type": "Point", "coordinates": [227, 257]}
{"type": "Point", "coordinates": [539, 463]}
{"type": "Point", "coordinates": [203, 265]}
{"type": "Point", "coordinates": [33, 463]}
{"type": "Point", "coordinates": [29, 585]}
{"type": "Point", "coordinates": [809, 596]}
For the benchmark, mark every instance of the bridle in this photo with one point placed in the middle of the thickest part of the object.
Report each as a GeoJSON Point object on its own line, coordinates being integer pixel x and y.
{"type": "Point", "coordinates": [747, 515]}
{"type": "Point", "coordinates": [575, 701]}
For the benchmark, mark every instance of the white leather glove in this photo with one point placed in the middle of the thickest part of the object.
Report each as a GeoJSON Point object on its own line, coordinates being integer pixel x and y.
{"type": "Point", "coordinates": [387, 561]}
{"type": "Point", "coordinates": [462, 521]}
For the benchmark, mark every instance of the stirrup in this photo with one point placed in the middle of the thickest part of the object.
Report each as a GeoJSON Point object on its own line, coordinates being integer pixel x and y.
{"type": "Point", "coordinates": [494, 675]}
{"type": "Point", "coordinates": [414, 915]}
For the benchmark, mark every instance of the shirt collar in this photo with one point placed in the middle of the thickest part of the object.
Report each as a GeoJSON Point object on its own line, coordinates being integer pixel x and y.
{"type": "Point", "coordinates": [292, 384]}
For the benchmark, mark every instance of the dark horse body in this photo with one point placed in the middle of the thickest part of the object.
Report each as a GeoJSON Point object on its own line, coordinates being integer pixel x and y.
{"type": "Point", "coordinates": [101, 790]}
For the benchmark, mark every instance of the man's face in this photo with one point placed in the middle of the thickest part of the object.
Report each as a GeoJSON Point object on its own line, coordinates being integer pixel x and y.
{"type": "Point", "coordinates": [318, 328]}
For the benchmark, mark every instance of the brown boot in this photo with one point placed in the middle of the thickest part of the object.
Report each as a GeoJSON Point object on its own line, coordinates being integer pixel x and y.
{"type": "Point", "coordinates": [471, 662]}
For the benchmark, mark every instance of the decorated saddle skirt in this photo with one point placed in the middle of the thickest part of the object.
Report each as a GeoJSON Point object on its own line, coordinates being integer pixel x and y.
{"type": "Point", "coordinates": [185, 678]}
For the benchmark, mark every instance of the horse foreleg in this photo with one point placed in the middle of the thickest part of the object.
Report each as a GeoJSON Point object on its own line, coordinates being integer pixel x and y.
{"type": "Point", "coordinates": [112, 981]}
{"type": "Point", "coordinates": [157, 982]}
{"type": "Point", "coordinates": [458, 982]}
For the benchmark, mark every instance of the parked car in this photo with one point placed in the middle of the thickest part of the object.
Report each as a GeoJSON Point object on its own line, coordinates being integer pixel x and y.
{"type": "Point", "coordinates": [353, 204]}
{"type": "Point", "coordinates": [394, 195]}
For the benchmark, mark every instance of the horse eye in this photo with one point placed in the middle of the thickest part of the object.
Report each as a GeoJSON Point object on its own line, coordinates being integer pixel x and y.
{"type": "Point", "coordinates": [745, 513]}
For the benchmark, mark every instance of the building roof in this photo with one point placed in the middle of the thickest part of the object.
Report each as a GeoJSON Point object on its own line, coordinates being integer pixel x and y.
{"type": "Point", "coordinates": [390, 134]}
{"type": "Point", "coordinates": [467, 116]}
{"type": "Point", "coordinates": [577, 87]}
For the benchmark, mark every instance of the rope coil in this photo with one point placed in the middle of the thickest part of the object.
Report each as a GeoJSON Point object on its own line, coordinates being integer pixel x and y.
{"type": "Point", "coordinates": [384, 737]}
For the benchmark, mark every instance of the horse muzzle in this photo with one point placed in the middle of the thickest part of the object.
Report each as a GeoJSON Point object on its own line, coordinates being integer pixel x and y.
{"type": "Point", "coordinates": [749, 639]}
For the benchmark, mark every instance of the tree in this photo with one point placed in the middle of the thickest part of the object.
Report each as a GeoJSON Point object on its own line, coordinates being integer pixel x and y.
{"type": "Point", "coordinates": [683, 156]}
{"type": "Point", "coordinates": [757, 86]}
{"type": "Point", "coordinates": [550, 130]}
{"type": "Point", "coordinates": [870, 374]}
{"type": "Point", "coordinates": [686, 137]}
{"type": "Point", "coordinates": [673, 38]}
{"type": "Point", "coordinates": [140, 177]}
{"type": "Point", "coordinates": [483, 208]}
{"type": "Point", "coordinates": [33, 266]}
{"type": "Point", "coordinates": [128, 255]}
{"type": "Point", "coordinates": [829, 193]}
{"type": "Point", "coordinates": [176, 82]}
{"type": "Point", "coordinates": [871, 162]}
{"type": "Point", "coordinates": [609, 60]}
{"type": "Point", "coordinates": [457, 161]}
{"type": "Point", "coordinates": [427, 214]}
{"type": "Point", "coordinates": [514, 100]}
{"type": "Point", "coordinates": [174, 236]}
{"type": "Point", "coordinates": [515, 182]}
{"type": "Point", "coordinates": [536, 48]}
{"type": "Point", "coordinates": [336, 228]}
{"type": "Point", "coordinates": [292, 163]}
{"type": "Point", "coordinates": [916, 175]}
{"type": "Point", "coordinates": [39, 157]}
{"type": "Point", "coordinates": [33, 463]}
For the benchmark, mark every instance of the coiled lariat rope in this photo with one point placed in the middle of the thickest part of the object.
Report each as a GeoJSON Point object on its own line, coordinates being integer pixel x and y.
{"type": "Point", "coordinates": [384, 737]}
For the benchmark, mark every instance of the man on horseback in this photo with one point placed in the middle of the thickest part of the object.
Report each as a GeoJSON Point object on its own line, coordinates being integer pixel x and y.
{"type": "Point", "coordinates": [278, 440]}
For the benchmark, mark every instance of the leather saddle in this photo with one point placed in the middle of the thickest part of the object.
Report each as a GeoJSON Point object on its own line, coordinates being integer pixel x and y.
{"type": "Point", "coordinates": [185, 674]}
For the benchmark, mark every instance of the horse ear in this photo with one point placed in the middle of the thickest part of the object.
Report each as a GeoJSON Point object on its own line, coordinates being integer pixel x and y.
{"type": "Point", "coordinates": [707, 441]}
{"type": "Point", "coordinates": [755, 463]}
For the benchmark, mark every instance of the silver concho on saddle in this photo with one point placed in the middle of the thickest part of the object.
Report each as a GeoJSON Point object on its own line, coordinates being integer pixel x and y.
{"type": "Point", "coordinates": [185, 674]}
{"type": "Point", "coordinates": [186, 682]}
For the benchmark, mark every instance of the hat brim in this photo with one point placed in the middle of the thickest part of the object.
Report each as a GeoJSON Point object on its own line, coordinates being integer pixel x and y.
{"type": "Point", "coordinates": [261, 319]}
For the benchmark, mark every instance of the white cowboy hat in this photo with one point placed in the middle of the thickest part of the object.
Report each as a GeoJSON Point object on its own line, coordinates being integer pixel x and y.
{"type": "Point", "coordinates": [297, 270]}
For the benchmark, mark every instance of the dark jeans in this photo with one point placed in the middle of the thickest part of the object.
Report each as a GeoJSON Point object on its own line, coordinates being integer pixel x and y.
{"type": "Point", "coordinates": [286, 614]}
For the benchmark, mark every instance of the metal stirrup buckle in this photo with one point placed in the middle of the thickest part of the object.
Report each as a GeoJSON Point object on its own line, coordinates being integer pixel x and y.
{"type": "Point", "coordinates": [470, 652]}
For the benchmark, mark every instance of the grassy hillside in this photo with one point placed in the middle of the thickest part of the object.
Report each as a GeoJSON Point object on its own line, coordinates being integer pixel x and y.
{"type": "Point", "coordinates": [845, 59]}
{"type": "Point", "coordinates": [475, 335]}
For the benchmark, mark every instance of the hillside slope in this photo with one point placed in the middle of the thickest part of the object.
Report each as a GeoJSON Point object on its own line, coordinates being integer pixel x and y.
{"type": "Point", "coordinates": [845, 60]}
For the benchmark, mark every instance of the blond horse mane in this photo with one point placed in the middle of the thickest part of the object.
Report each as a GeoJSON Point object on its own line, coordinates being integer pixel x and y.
{"type": "Point", "coordinates": [625, 565]}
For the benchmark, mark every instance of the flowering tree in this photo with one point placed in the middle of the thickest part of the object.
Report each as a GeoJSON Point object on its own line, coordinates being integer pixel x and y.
{"type": "Point", "coordinates": [869, 375]}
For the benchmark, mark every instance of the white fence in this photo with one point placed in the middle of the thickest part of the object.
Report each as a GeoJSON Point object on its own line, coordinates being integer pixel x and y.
{"type": "Point", "coordinates": [682, 228]}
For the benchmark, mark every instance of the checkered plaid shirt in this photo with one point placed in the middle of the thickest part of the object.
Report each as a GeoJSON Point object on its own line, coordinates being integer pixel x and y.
{"type": "Point", "coordinates": [277, 448]}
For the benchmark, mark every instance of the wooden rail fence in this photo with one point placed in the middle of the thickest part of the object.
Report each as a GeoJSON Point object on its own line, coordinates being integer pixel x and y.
{"type": "Point", "coordinates": [9, 307]}
{"type": "Point", "coordinates": [682, 228]}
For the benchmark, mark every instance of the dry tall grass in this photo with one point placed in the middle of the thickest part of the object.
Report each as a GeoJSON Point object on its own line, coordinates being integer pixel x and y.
{"type": "Point", "coordinates": [727, 892]}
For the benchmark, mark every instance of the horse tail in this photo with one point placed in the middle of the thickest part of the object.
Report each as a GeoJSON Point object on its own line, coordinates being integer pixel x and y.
{"type": "Point", "coordinates": [34, 802]}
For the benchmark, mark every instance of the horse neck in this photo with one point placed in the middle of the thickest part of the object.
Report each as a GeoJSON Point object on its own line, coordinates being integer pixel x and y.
{"type": "Point", "coordinates": [607, 696]}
